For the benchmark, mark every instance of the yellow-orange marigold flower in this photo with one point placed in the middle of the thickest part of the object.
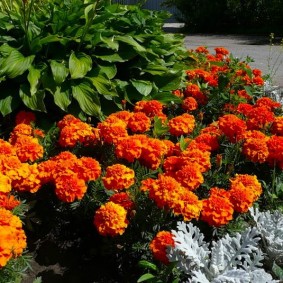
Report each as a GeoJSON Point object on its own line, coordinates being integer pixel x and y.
{"type": "Point", "coordinates": [159, 244]}
{"type": "Point", "coordinates": [122, 115]}
{"type": "Point", "coordinates": [248, 181]}
{"type": "Point", "coordinates": [67, 120]}
{"type": "Point", "coordinates": [256, 150]}
{"type": "Point", "coordinates": [118, 177]}
{"type": "Point", "coordinates": [198, 157]}
{"type": "Point", "coordinates": [87, 169]}
{"type": "Point", "coordinates": [217, 209]}
{"type": "Point", "coordinates": [20, 130]}
{"type": "Point", "coordinates": [180, 125]}
{"type": "Point", "coordinates": [151, 108]}
{"type": "Point", "coordinates": [189, 104]}
{"type": "Point", "coordinates": [277, 126]}
{"type": "Point", "coordinates": [68, 187]}
{"type": "Point", "coordinates": [5, 183]}
{"type": "Point", "coordinates": [6, 148]}
{"type": "Point", "coordinates": [259, 118]}
{"type": "Point", "coordinates": [111, 219]}
{"type": "Point", "coordinates": [147, 184]}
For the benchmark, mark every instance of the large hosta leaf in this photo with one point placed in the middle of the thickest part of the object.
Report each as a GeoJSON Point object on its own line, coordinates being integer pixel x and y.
{"type": "Point", "coordinates": [62, 97]}
{"type": "Point", "coordinates": [109, 69]}
{"type": "Point", "coordinates": [59, 71]}
{"type": "Point", "coordinates": [87, 98]}
{"type": "Point", "coordinates": [143, 87]}
{"type": "Point", "coordinates": [34, 102]}
{"type": "Point", "coordinates": [79, 65]}
{"type": "Point", "coordinates": [33, 78]}
{"type": "Point", "coordinates": [16, 64]}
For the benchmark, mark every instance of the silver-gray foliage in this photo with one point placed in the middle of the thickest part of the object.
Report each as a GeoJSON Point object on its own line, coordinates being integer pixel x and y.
{"type": "Point", "coordinates": [231, 259]}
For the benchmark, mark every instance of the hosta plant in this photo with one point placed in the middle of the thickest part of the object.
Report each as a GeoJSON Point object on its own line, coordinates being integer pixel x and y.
{"type": "Point", "coordinates": [84, 57]}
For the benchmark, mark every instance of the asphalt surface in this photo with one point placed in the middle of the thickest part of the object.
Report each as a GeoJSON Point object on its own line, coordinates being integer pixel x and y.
{"type": "Point", "coordinates": [268, 58]}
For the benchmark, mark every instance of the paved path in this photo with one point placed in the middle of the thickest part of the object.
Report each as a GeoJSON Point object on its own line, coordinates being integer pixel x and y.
{"type": "Point", "coordinates": [269, 59]}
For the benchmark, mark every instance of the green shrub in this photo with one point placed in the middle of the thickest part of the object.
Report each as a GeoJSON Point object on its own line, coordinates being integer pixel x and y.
{"type": "Point", "coordinates": [84, 58]}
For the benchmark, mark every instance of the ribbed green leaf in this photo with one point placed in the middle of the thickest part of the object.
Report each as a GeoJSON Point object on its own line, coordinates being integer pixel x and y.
{"type": "Point", "coordinates": [62, 98]}
{"type": "Point", "coordinates": [87, 99]}
{"type": "Point", "coordinates": [33, 78]}
{"type": "Point", "coordinates": [109, 69]}
{"type": "Point", "coordinates": [79, 65]}
{"type": "Point", "coordinates": [35, 102]}
{"type": "Point", "coordinates": [110, 42]}
{"type": "Point", "coordinates": [131, 41]}
{"type": "Point", "coordinates": [143, 87]}
{"type": "Point", "coordinates": [146, 277]}
{"type": "Point", "coordinates": [16, 64]}
{"type": "Point", "coordinates": [59, 71]}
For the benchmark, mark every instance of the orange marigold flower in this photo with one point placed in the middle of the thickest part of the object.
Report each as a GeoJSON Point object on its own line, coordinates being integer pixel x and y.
{"type": "Point", "coordinates": [124, 200]}
{"type": "Point", "coordinates": [217, 209]}
{"type": "Point", "coordinates": [255, 150]}
{"type": "Point", "coordinates": [259, 118]}
{"type": "Point", "coordinates": [198, 157]}
{"type": "Point", "coordinates": [25, 117]}
{"type": "Point", "coordinates": [276, 127]}
{"type": "Point", "coordinates": [209, 140]}
{"type": "Point", "coordinates": [221, 50]}
{"type": "Point", "coordinates": [129, 148]}
{"type": "Point", "coordinates": [147, 184]}
{"type": "Point", "coordinates": [170, 147]}
{"type": "Point", "coordinates": [243, 94]}
{"type": "Point", "coordinates": [68, 187]}
{"type": "Point", "coordinates": [151, 108]}
{"type": "Point", "coordinates": [202, 49]}
{"type": "Point", "coordinates": [153, 151]}
{"type": "Point", "coordinates": [139, 122]}
{"type": "Point", "coordinates": [194, 91]}
{"type": "Point", "coordinates": [258, 80]}
{"type": "Point", "coordinates": [110, 219]}
{"type": "Point", "coordinates": [20, 130]}
{"type": "Point", "coordinates": [172, 164]}
{"type": "Point", "coordinates": [249, 181]}
{"type": "Point", "coordinates": [257, 72]}
{"type": "Point", "coordinates": [27, 179]}
{"type": "Point", "coordinates": [9, 165]}
{"type": "Point", "coordinates": [67, 120]}
{"type": "Point", "coordinates": [180, 125]}
{"type": "Point", "coordinates": [232, 127]}
{"type": "Point", "coordinates": [254, 134]}
{"type": "Point", "coordinates": [160, 243]}
{"type": "Point", "coordinates": [189, 104]}
{"type": "Point", "coordinates": [5, 184]}
{"type": "Point", "coordinates": [275, 148]}
{"type": "Point", "coordinates": [28, 149]}
{"type": "Point", "coordinates": [38, 133]}
{"type": "Point", "coordinates": [112, 129]}
{"type": "Point", "coordinates": [87, 168]}
{"type": "Point", "coordinates": [6, 148]}
{"type": "Point", "coordinates": [241, 197]}
{"type": "Point", "coordinates": [79, 132]}
{"type": "Point", "coordinates": [8, 202]}
{"type": "Point", "coordinates": [190, 176]}
{"type": "Point", "coordinates": [212, 129]}
{"type": "Point", "coordinates": [46, 170]}
{"type": "Point", "coordinates": [118, 177]}
{"type": "Point", "coordinates": [267, 102]}
{"type": "Point", "coordinates": [122, 115]}
{"type": "Point", "coordinates": [178, 93]}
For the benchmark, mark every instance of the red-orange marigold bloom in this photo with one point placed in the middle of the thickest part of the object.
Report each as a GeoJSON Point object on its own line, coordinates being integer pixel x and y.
{"type": "Point", "coordinates": [139, 122]}
{"type": "Point", "coordinates": [170, 147]}
{"type": "Point", "coordinates": [189, 104]}
{"type": "Point", "coordinates": [6, 148]}
{"type": "Point", "coordinates": [258, 80]}
{"type": "Point", "coordinates": [112, 129]}
{"type": "Point", "coordinates": [110, 219]}
{"type": "Point", "coordinates": [249, 181]}
{"type": "Point", "coordinates": [255, 150]}
{"type": "Point", "coordinates": [202, 49]}
{"type": "Point", "coordinates": [221, 50]}
{"type": "Point", "coordinates": [153, 151]}
{"type": "Point", "coordinates": [8, 202]}
{"type": "Point", "coordinates": [28, 149]}
{"type": "Point", "coordinates": [79, 132]}
{"type": "Point", "coordinates": [118, 177]}
{"type": "Point", "coordinates": [46, 170]}
{"type": "Point", "coordinates": [20, 130]}
{"type": "Point", "coordinates": [87, 169]}
{"type": "Point", "coordinates": [275, 148]}
{"type": "Point", "coordinates": [159, 244]}
{"type": "Point", "coordinates": [244, 108]}
{"type": "Point", "coordinates": [147, 184]}
{"type": "Point", "coordinates": [68, 187]}
{"type": "Point", "coordinates": [267, 102]}
{"type": "Point", "coordinates": [232, 127]}
{"type": "Point", "coordinates": [193, 90]}
{"type": "Point", "coordinates": [210, 140]}
{"type": "Point", "coordinates": [217, 209]}
{"type": "Point", "coordinates": [241, 197]}
{"type": "Point", "coordinates": [124, 200]}
{"type": "Point", "coordinates": [38, 133]}
{"type": "Point", "coordinates": [129, 148]}
{"type": "Point", "coordinates": [259, 118]}
{"type": "Point", "coordinates": [122, 115]}
{"type": "Point", "coordinates": [9, 165]}
{"type": "Point", "coordinates": [151, 108]}
{"type": "Point", "coordinates": [243, 94]}
{"type": "Point", "coordinates": [180, 125]}
{"type": "Point", "coordinates": [67, 120]}
{"type": "Point", "coordinates": [277, 126]}
{"type": "Point", "coordinates": [198, 157]}
{"type": "Point", "coordinates": [25, 117]}
{"type": "Point", "coordinates": [257, 72]}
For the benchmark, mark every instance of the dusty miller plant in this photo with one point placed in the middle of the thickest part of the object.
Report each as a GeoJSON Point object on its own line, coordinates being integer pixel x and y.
{"type": "Point", "coordinates": [235, 259]}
